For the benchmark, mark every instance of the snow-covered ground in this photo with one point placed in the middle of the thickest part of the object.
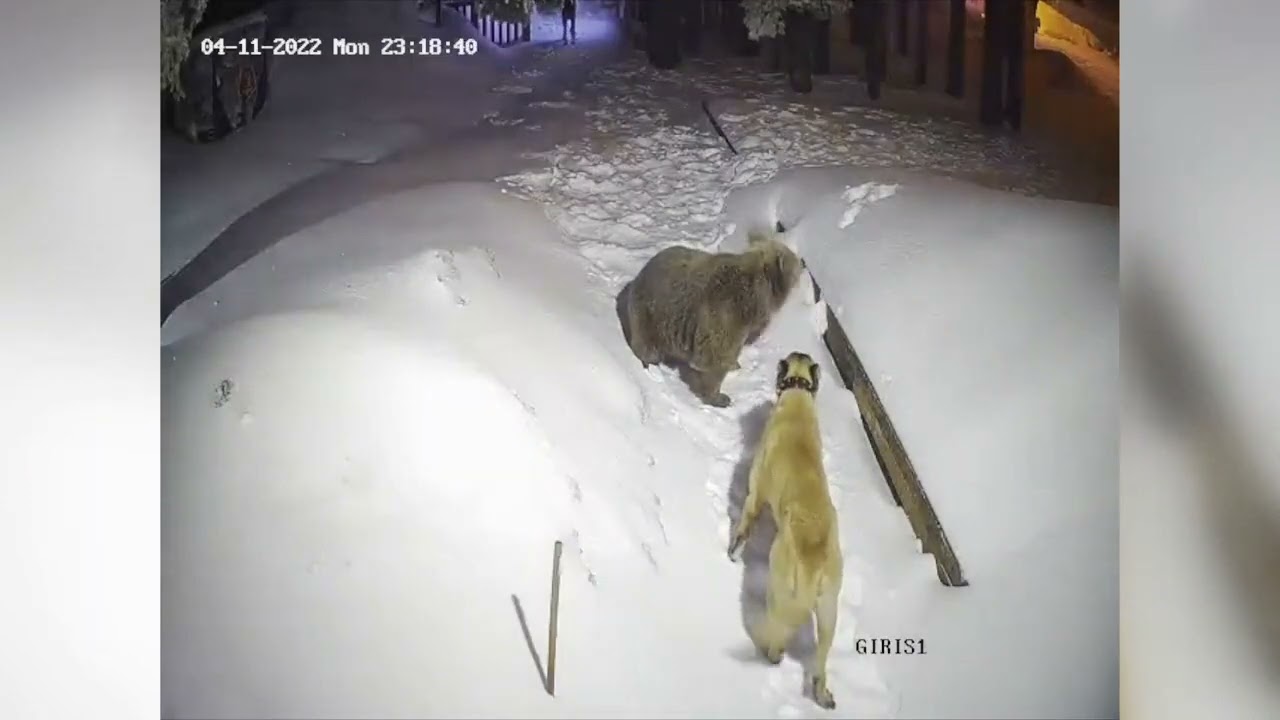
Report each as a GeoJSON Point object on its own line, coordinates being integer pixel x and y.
{"type": "Point", "coordinates": [393, 453]}
{"type": "Point", "coordinates": [376, 429]}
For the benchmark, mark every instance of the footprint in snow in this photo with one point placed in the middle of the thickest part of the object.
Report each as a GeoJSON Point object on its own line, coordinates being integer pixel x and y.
{"type": "Point", "coordinates": [222, 393]}
{"type": "Point", "coordinates": [575, 542]}
{"type": "Point", "coordinates": [449, 275]}
{"type": "Point", "coordinates": [648, 553]}
{"type": "Point", "coordinates": [492, 258]}
{"type": "Point", "coordinates": [450, 265]}
{"type": "Point", "coordinates": [529, 408]}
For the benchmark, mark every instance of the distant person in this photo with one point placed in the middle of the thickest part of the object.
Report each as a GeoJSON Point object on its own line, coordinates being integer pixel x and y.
{"type": "Point", "coordinates": [569, 20]}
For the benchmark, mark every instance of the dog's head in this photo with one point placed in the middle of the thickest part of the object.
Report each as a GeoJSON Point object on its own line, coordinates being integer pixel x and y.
{"type": "Point", "coordinates": [798, 370]}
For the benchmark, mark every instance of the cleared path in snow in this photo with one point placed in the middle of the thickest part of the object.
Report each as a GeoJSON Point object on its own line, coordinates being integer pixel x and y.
{"type": "Point", "coordinates": [266, 200]}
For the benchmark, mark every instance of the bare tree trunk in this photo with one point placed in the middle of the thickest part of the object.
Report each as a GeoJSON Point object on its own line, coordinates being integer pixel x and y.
{"type": "Point", "coordinates": [857, 28]}
{"type": "Point", "coordinates": [922, 41]}
{"type": "Point", "coordinates": [691, 13]}
{"type": "Point", "coordinates": [955, 49]}
{"type": "Point", "coordinates": [733, 22]}
{"type": "Point", "coordinates": [1015, 29]}
{"type": "Point", "coordinates": [993, 55]}
{"type": "Point", "coordinates": [799, 44]}
{"type": "Point", "coordinates": [877, 46]}
{"type": "Point", "coordinates": [822, 48]}
{"type": "Point", "coordinates": [770, 54]}
{"type": "Point", "coordinates": [902, 26]}
{"type": "Point", "coordinates": [663, 34]}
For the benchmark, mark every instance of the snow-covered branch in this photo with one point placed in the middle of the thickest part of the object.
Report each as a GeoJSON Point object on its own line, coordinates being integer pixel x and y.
{"type": "Point", "coordinates": [765, 18]}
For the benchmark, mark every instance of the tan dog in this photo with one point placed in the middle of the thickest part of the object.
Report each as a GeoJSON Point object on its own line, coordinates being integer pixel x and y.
{"type": "Point", "coordinates": [806, 568]}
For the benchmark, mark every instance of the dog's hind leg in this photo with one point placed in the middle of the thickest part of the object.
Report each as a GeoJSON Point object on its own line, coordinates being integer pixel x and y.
{"type": "Point", "coordinates": [826, 611]}
{"type": "Point", "coordinates": [771, 635]}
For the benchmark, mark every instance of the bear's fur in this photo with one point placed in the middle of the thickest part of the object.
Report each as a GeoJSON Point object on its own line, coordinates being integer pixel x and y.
{"type": "Point", "coordinates": [696, 310]}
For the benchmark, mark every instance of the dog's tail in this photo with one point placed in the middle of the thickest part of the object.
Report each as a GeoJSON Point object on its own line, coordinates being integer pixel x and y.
{"type": "Point", "coordinates": [809, 555]}
{"type": "Point", "coordinates": [808, 578]}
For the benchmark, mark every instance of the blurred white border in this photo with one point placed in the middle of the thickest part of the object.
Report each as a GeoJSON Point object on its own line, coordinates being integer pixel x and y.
{"type": "Point", "coordinates": [79, 418]}
{"type": "Point", "coordinates": [1199, 163]}
{"type": "Point", "coordinates": [79, 359]}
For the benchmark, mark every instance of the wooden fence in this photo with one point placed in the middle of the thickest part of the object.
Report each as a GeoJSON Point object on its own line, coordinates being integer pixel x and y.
{"type": "Point", "coordinates": [499, 32]}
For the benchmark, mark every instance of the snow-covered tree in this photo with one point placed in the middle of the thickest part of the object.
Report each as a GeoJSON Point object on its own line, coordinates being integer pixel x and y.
{"type": "Point", "coordinates": [765, 18]}
{"type": "Point", "coordinates": [178, 20]}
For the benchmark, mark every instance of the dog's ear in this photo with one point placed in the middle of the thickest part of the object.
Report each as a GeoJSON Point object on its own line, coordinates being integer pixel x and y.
{"type": "Point", "coordinates": [816, 370]}
{"type": "Point", "coordinates": [782, 371]}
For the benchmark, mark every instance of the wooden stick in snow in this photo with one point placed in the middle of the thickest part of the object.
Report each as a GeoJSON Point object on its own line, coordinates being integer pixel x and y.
{"type": "Point", "coordinates": [719, 130]}
{"type": "Point", "coordinates": [555, 617]}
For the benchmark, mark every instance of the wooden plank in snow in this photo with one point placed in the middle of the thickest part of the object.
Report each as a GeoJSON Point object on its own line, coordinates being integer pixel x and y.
{"type": "Point", "coordinates": [895, 464]}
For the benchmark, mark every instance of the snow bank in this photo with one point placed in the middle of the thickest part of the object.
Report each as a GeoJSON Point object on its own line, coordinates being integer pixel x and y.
{"type": "Point", "coordinates": [328, 520]}
{"type": "Point", "coordinates": [989, 323]}
{"type": "Point", "coordinates": [353, 493]}
{"type": "Point", "coordinates": [374, 432]}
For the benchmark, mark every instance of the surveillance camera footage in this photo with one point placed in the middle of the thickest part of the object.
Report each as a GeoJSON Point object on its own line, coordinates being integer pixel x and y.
{"type": "Point", "coordinates": [640, 358]}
